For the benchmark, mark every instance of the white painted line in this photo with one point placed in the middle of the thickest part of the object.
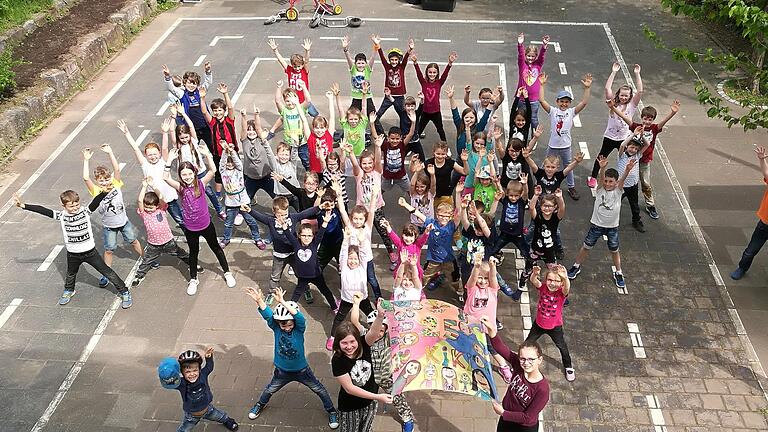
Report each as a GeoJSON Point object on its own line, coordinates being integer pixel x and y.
{"type": "Point", "coordinates": [637, 341]}
{"type": "Point", "coordinates": [419, 20]}
{"type": "Point", "coordinates": [280, 37]}
{"type": "Point", "coordinates": [657, 417]}
{"type": "Point", "coordinates": [216, 39]}
{"type": "Point", "coordinates": [557, 47]}
{"type": "Point", "coordinates": [505, 103]}
{"type": "Point", "coordinates": [480, 41]}
{"type": "Point", "coordinates": [754, 361]}
{"type": "Point", "coordinates": [390, 39]}
{"type": "Point", "coordinates": [9, 310]}
{"type": "Point", "coordinates": [563, 70]}
{"type": "Point", "coordinates": [577, 121]}
{"type": "Point", "coordinates": [49, 259]}
{"type": "Point", "coordinates": [87, 351]}
{"type": "Point", "coordinates": [163, 108]}
{"type": "Point", "coordinates": [142, 136]}
{"type": "Point", "coordinates": [331, 37]}
{"type": "Point", "coordinates": [568, 89]}
{"type": "Point", "coordinates": [245, 80]}
{"type": "Point", "coordinates": [200, 60]}
{"type": "Point", "coordinates": [438, 40]}
{"type": "Point", "coordinates": [584, 149]}
{"type": "Point", "coordinates": [121, 165]}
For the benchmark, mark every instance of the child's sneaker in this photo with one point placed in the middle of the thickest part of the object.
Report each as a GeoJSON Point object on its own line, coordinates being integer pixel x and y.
{"type": "Point", "coordinates": [136, 281]}
{"type": "Point", "coordinates": [522, 282]}
{"type": "Point", "coordinates": [103, 282]}
{"type": "Point", "coordinates": [559, 253]}
{"type": "Point", "coordinates": [573, 272]}
{"type": "Point", "coordinates": [127, 301]}
{"type": "Point", "coordinates": [460, 298]}
{"type": "Point", "coordinates": [574, 194]}
{"type": "Point", "coordinates": [223, 243]}
{"type": "Point", "coordinates": [308, 296]}
{"type": "Point", "coordinates": [222, 215]}
{"type": "Point", "coordinates": [506, 290]}
{"type": "Point", "coordinates": [338, 305]}
{"type": "Point", "coordinates": [424, 135]}
{"type": "Point", "coordinates": [329, 344]}
{"type": "Point", "coordinates": [592, 182]}
{"type": "Point", "coordinates": [260, 244]}
{"type": "Point", "coordinates": [652, 212]}
{"type": "Point", "coordinates": [66, 296]}
{"type": "Point", "coordinates": [333, 420]}
{"type": "Point", "coordinates": [735, 275]}
{"type": "Point", "coordinates": [516, 295]}
{"type": "Point", "coordinates": [638, 225]}
{"type": "Point", "coordinates": [230, 279]}
{"type": "Point", "coordinates": [290, 271]}
{"type": "Point", "coordinates": [570, 374]}
{"type": "Point", "coordinates": [506, 373]}
{"type": "Point", "coordinates": [408, 426]}
{"type": "Point", "coordinates": [435, 282]}
{"type": "Point", "coordinates": [499, 325]}
{"type": "Point", "coordinates": [155, 265]}
{"type": "Point", "coordinates": [619, 279]}
{"type": "Point", "coordinates": [231, 424]}
{"type": "Point", "coordinates": [200, 270]}
{"type": "Point", "coordinates": [238, 219]}
{"type": "Point", "coordinates": [255, 411]}
{"type": "Point", "coordinates": [192, 287]}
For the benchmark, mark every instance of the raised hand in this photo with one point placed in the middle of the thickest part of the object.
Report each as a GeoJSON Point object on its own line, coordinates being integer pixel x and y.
{"type": "Point", "coordinates": [357, 298]}
{"type": "Point", "coordinates": [537, 190]}
{"type": "Point", "coordinates": [376, 39]}
{"type": "Point", "coordinates": [449, 91]}
{"type": "Point", "coordinates": [523, 178]}
{"type": "Point", "coordinates": [431, 169]}
{"type": "Point", "coordinates": [279, 83]}
{"type": "Point", "coordinates": [636, 68]}
{"type": "Point", "coordinates": [545, 40]}
{"type": "Point", "coordinates": [166, 71]}
{"type": "Point", "coordinates": [639, 130]}
{"type": "Point", "coordinates": [207, 67]}
{"type": "Point", "coordinates": [255, 294]}
{"type": "Point", "coordinates": [122, 126]}
{"type": "Point", "coordinates": [172, 155]}
{"type": "Point", "coordinates": [385, 224]}
{"type": "Point", "coordinates": [402, 202]}
{"type": "Point", "coordinates": [559, 193]}
{"type": "Point", "coordinates": [615, 67]}
{"type": "Point", "coordinates": [203, 92]}
{"type": "Point", "coordinates": [277, 177]}
{"type": "Point", "coordinates": [411, 44]}
{"type": "Point", "coordinates": [166, 126]}
{"type": "Point", "coordinates": [675, 106]}
{"type": "Point", "coordinates": [307, 45]}
{"type": "Point", "coordinates": [106, 148]}
{"type": "Point", "coordinates": [630, 164]}
{"type": "Point", "coordinates": [279, 294]}
{"type": "Point", "coordinates": [465, 155]}
{"type": "Point", "coordinates": [17, 200]}
{"type": "Point", "coordinates": [490, 328]}
{"type": "Point", "coordinates": [272, 44]}
{"type": "Point", "coordinates": [761, 152]}
{"type": "Point", "coordinates": [467, 88]}
{"type": "Point", "coordinates": [209, 352]}
{"type": "Point", "coordinates": [538, 131]}
{"type": "Point", "coordinates": [602, 161]}
{"type": "Point", "coordinates": [586, 81]}
{"type": "Point", "coordinates": [543, 78]}
{"type": "Point", "coordinates": [335, 89]}
{"type": "Point", "coordinates": [520, 38]}
{"type": "Point", "coordinates": [526, 152]}
{"type": "Point", "coordinates": [345, 42]}
{"type": "Point", "coordinates": [403, 255]}
{"type": "Point", "coordinates": [579, 157]}
{"type": "Point", "coordinates": [222, 88]}
{"type": "Point", "coordinates": [452, 57]}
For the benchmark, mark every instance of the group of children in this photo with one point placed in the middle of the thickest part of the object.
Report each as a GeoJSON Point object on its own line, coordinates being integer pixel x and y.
{"type": "Point", "coordinates": [475, 202]}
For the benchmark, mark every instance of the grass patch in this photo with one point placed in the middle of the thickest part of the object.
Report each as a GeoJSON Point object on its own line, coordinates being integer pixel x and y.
{"type": "Point", "coordinates": [15, 12]}
{"type": "Point", "coordinates": [7, 75]}
{"type": "Point", "coordinates": [739, 89]}
{"type": "Point", "coordinates": [164, 5]}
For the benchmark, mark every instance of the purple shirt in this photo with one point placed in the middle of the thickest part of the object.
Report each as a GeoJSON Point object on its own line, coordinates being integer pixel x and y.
{"type": "Point", "coordinates": [529, 73]}
{"type": "Point", "coordinates": [195, 209]}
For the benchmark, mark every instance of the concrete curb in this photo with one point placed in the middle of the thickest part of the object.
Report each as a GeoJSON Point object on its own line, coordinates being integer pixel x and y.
{"type": "Point", "coordinates": [85, 60]}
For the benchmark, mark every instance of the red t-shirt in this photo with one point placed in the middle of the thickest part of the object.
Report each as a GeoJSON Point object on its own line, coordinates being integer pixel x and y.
{"type": "Point", "coordinates": [649, 133]}
{"type": "Point", "coordinates": [294, 75]}
{"type": "Point", "coordinates": [224, 130]}
{"type": "Point", "coordinates": [313, 142]}
{"type": "Point", "coordinates": [394, 160]}
{"type": "Point", "coordinates": [549, 310]}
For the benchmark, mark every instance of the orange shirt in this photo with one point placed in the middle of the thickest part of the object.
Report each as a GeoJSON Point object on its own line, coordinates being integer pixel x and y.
{"type": "Point", "coordinates": [762, 212]}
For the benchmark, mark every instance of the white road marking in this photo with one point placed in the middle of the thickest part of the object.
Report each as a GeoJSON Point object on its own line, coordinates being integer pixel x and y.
{"type": "Point", "coordinates": [9, 310]}
{"type": "Point", "coordinates": [49, 259]}
{"type": "Point", "coordinates": [568, 89]}
{"type": "Point", "coordinates": [200, 60]}
{"type": "Point", "coordinates": [245, 80]}
{"type": "Point", "coordinates": [87, 351]}
{"type": "Point", "coordinates": [390, 39]}
{"type": "Point", "coordinates": [419, 20]}
{"type": "Point", "coordinates": [280, 37]}
{"type": "Point", "coordinates": [657, 417]}
{"type": "Point", "coordinates": [480, 41]}
{"type": "Point", "coordinates": [80, 126]}
{"type": "Point", "coordinates": [754, 361]}
{"type": "Point", "coordinates": [216, 39]}
{"type": "Point", "coordinates": [163, 108]}
{"type": "Point", "coordinates": [505, 103]}
{"type": "Point", "coordinates": [557, 47]}
{"type": "Point", "coordinates": [142, 136]}
{"type": "Point", "coordinates": [576, 121]}
{"type": "Point", "coordinates": [584, 149]}
{"type": "Point", "coordinates": [438, 40]}
{"type": "Point", "coordinates": [563, 70]}
{"type": "Point", "coordinates": [331, 37]}
{"type": "Point", "coordinates": [637, 341]}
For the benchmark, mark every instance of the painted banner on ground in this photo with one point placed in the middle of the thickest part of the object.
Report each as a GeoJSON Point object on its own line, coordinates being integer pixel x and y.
{"type": "Point", "coordinates": [435, 347]}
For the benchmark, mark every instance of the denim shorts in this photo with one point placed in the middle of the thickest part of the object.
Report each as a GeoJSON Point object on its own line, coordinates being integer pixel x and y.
{"type": "Point", "coordinates": [128, 231]}
{"type": "Point", "coordinates": [595, 232]}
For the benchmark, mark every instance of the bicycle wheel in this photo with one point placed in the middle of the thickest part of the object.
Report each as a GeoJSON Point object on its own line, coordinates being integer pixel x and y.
{"type": "Point", "coordinates": [291, 14]}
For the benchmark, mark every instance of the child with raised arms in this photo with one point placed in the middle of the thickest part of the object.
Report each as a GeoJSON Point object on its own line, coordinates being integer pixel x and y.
{"type": "Point", "coordinates": [431, 85]}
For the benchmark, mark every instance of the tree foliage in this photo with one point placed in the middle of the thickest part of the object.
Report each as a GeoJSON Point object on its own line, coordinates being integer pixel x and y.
{"type": "Point", "coordinates": [750, 19]}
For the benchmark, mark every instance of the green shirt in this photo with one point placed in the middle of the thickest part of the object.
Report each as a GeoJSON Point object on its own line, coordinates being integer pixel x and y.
{"type": "Point", "coordinates": [355, 136]}
{"type": "Point", "coordinates": [293, 132]}
{"type": "Point", "coordinates": [484, 194]}
{"type": "Point", "coordinates": [357, 79]}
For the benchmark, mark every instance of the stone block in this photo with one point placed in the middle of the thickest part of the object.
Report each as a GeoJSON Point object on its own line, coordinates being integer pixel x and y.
{"type": "Point", "coordinates": [49, 97]}
{"type": "Point", "coordinates": [28, 27]}
{"type": "Point", "coordinates": [14, 121]}
{"type": "Point", "coordinates": [36, 108]}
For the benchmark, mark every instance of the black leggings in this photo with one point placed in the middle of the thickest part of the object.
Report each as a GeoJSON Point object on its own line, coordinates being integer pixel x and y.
{"type": "Point", "coordinates": [193, 239]}
{"type": "Point", "coordinates": [344, 308]}
{"type": "Point", "coordinates": [302, 286]}
{"type": "Point", "coordinates": [505, 426]}
{"type": "Point", "coordinates": [437, 119]}
{"type": "Point", "coordinates": [608, 147]}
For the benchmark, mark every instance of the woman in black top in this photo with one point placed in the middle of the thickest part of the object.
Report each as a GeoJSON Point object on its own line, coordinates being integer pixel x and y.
{"type": "Point", "coordinates": [353, 368]}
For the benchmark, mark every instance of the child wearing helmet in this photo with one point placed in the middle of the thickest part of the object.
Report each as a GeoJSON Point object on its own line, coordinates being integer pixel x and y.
{"type": "Point", "coordinates": [394, 70]}
{"type": "Point", "coordinates": [195, 392]}
{"type": "Point", "coordinates": [381, 356]}
{"type": "Point", "coordinates": [288, 325]}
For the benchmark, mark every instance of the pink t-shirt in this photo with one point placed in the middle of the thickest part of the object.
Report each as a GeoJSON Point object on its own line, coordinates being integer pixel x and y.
{"type": "Point", "coordinates": [156, 223]}
{"type": "Point", "coordinates": [414, 249]}
{"type": "Point", "coordinates": [549, 310]}
{"type": "Point", "coordinates": [481, 301]}
{"type": "Point", "coordinates": [365, 184]}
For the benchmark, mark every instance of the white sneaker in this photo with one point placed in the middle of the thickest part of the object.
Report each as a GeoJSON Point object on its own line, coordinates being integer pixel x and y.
{"type": "Point", "coordinates": [192, 287]}
{"type": "Point", "coordinates": [570, 374]}
{"type": "Point", "coordinates": [230, 279]}
{"type": "Point", "coordinates": [290, 271]}
{"type": "Point", "coordinates": [239, 219]}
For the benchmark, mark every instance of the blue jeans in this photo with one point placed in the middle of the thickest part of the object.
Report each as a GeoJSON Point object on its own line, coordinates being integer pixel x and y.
{"type": "Point", "coordinates": [303, 151]}
{"type": "Point", "coordinates": [534, 114]}
{"type": "Point", "coordinates": [174, 209]}
{"type": "Point", "coordinates": [305, 376]}
{"type": "Point", "coordinates": [229, 223]}
{"type": "Point", "coordinates": [371, 273]}
{"type": "Point", "coordinates": [759, 236]}
{"type": "Point", "coordinates": [595, 232]}
{"type": "Point", "coordinates": [212, 196]}
{"type": "Point", "coordinates": [189, 421]}
{"type": "Point", "coordinates": [565, 159]}
{"type": "Point", "coordinates": [312, 110]}
{"type": "Point", "coordinates": [128, 231]}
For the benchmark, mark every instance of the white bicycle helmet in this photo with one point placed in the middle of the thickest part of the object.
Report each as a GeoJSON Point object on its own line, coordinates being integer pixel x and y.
{"type": "Point", "coordinates": [372, 317]}
{"type": "Point", "coordinates": [190, 356]}
{"type": "Point", "coordinates": [281, 313]}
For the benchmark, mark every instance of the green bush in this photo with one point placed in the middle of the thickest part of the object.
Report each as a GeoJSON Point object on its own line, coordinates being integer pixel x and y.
{"type": "Point", "coordinates": [7, 75]}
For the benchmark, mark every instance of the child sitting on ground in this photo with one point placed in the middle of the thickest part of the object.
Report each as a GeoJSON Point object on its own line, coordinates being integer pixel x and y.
{"type": "Point", "coordinates": [196, 396]}
{"type": "Point", "coordinates": [77, 227]}
{"type": "Point", "coordinates": [288, 325]}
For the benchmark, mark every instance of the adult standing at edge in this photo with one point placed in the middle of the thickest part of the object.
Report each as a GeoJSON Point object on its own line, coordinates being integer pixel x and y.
{"type": "Point", "coordinates": [528, 391]}
{"type": "Point", "coordinates": [760, 234]}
